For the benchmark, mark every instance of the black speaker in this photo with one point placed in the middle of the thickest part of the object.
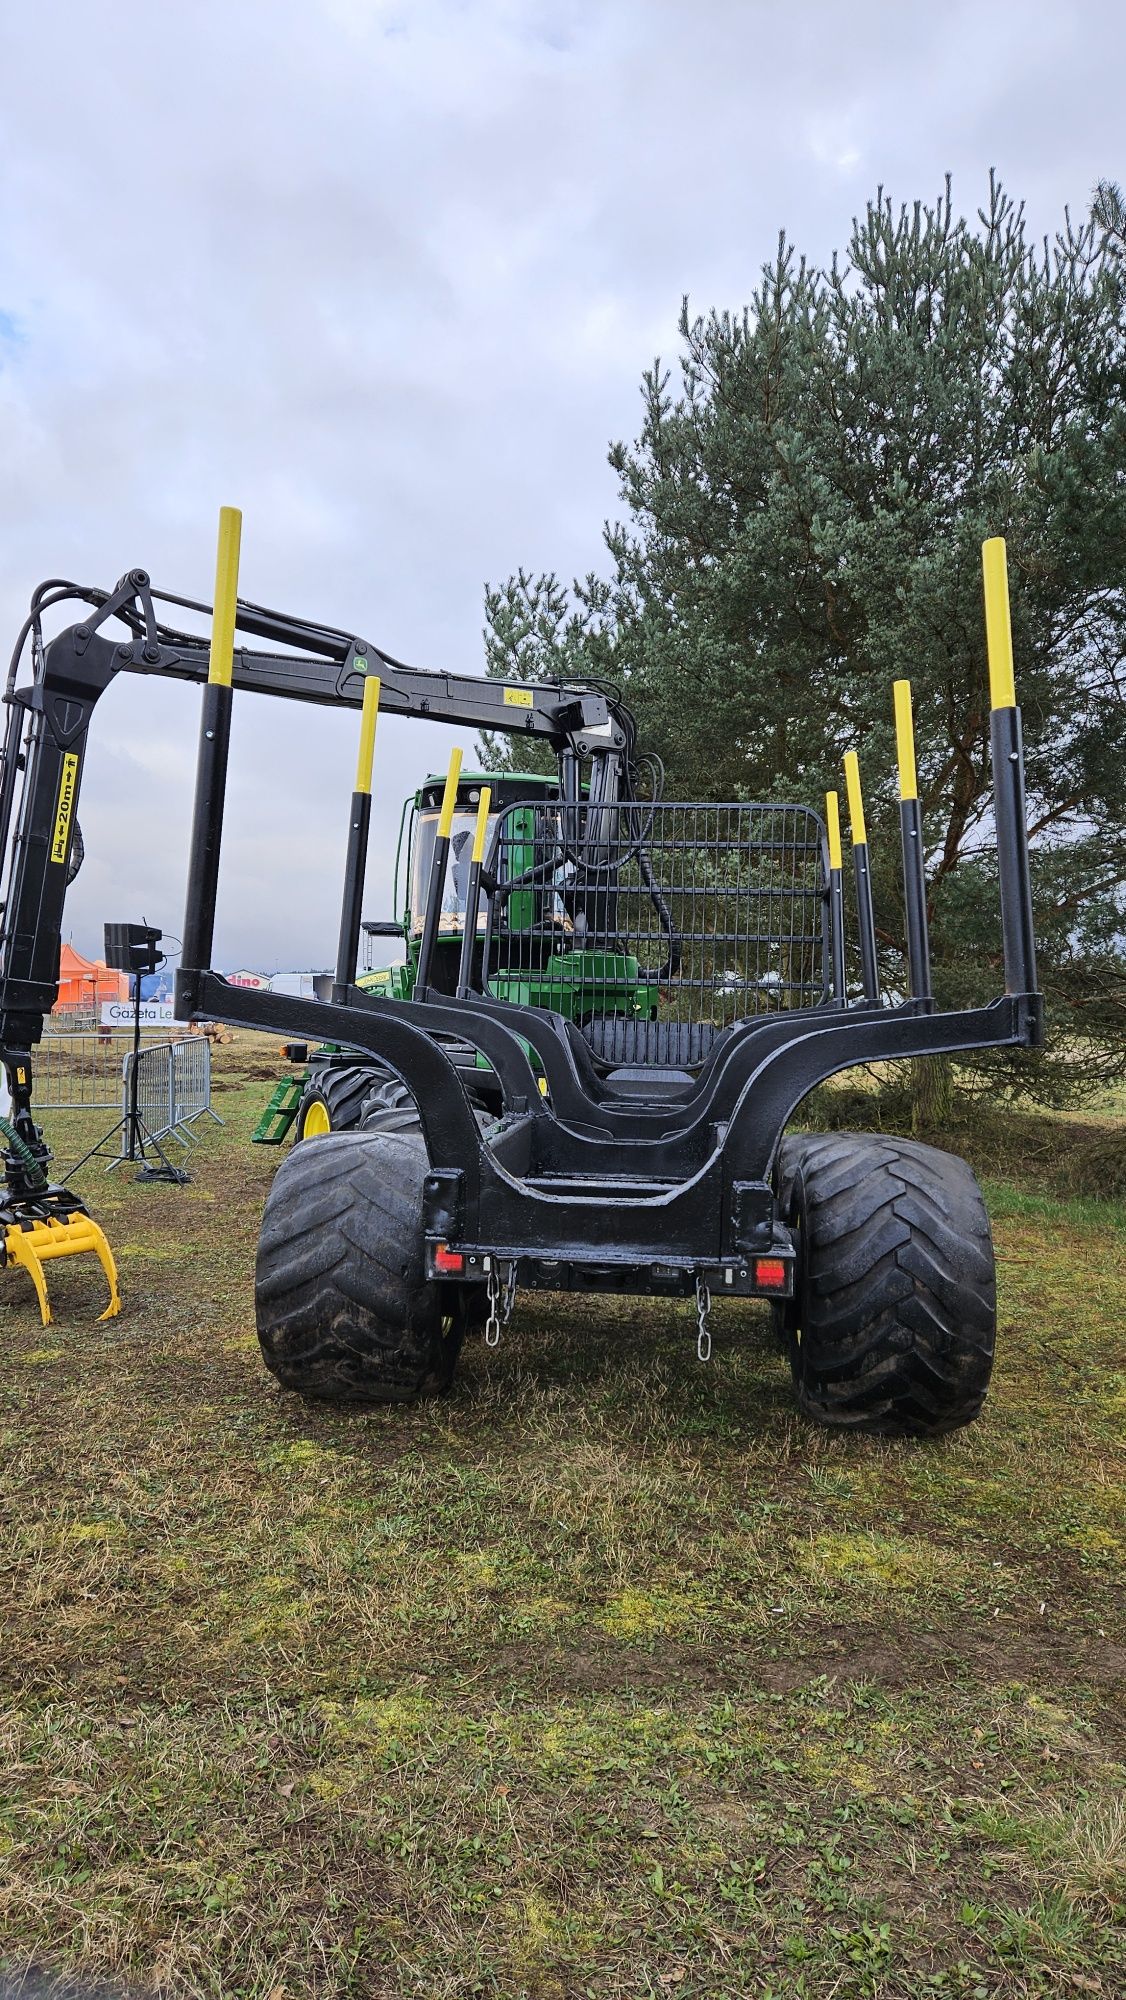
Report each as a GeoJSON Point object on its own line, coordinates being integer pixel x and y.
{"type": "Point", "coordinates": [132, 948]}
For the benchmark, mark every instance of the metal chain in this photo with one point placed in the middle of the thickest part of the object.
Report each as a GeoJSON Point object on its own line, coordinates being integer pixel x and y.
{"type": "Point", "coordinates": [492, 1324]}
{"type": "Point", "coordinates": [703, 1308]}
{"type": "Point", "coordinates": [500, 1306]}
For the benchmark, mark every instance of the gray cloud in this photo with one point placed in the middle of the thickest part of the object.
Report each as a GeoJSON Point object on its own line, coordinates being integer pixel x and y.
{"type": "Point", "coordinates": [386, 275]}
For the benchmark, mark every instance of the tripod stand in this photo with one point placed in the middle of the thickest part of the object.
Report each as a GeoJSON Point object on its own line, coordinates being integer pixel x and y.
{"type": "Point", "coordinates": [137, 1141]}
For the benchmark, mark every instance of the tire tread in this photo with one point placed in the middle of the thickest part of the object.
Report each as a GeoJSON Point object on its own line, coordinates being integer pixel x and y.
{"type": "Point", "coordinates": [897, 1312]}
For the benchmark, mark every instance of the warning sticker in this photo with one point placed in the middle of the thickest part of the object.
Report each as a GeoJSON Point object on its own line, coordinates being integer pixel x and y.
{"type": "Point", "coordinates": [67, 785]}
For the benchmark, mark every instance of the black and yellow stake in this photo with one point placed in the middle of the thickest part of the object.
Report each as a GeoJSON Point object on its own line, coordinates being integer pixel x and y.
{"type": "Point", "coordinates": [836, 899]}
{"type": "Point", "coordinates": [473, 895]}
{"type": "Point", "coordinates": [911, 830]}
{"type": "Point", "coordinates": [437, 885]}
{"type": "Point", "coordinates": [214, 746]}
{"type": "Point", "coordinates": [865, 915]}
{"type": "Point", "coordinates": [359, 821]}
{"type": "Point", "coordinates": [1008, 775]}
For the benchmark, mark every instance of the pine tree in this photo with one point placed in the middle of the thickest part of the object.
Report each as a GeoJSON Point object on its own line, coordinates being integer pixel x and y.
{"type": "Point", "coordinates": [802, 521]}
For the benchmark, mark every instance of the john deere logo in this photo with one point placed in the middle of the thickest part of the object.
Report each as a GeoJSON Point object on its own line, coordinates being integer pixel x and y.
{"type": "Point", "coordinates": [67, 784]}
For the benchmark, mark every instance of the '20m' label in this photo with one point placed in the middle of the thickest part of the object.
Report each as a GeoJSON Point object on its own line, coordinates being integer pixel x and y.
{"type": "Point", "coordinates": [65, 807]}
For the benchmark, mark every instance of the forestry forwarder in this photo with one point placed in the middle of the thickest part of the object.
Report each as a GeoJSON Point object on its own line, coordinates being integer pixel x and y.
{"type": "Point", "coordinates": [647, 992]}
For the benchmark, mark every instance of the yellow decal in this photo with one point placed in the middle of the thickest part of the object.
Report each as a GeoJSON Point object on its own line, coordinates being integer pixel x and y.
{"type": "Point", "coordinates": [67, 784]}
{"type": "Point", "coordinates": [518, 697]}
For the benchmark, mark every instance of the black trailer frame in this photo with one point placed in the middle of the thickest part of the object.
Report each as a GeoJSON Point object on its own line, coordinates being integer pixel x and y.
{"type": "Point", "coordinates": [590, 1179]}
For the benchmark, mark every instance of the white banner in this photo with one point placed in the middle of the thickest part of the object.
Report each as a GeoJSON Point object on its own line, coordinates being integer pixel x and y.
{"type": "Point", "coordinates": [154, 1013]}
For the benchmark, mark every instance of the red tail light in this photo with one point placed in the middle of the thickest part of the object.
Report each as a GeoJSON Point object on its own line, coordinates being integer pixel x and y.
{"type": "Point", "coordinates": [770, 1273]}
{"type": "Point", "coordinates": [451, 1262]}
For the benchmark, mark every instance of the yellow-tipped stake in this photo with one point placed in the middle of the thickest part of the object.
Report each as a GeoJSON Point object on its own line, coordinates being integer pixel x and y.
{"type": "Point", "coordinates": [220, 665]}
{"type": "Point", "coordinates": [437, 883]}
{"type": "Point", "coordinates": [911, 831]}
{"type": "Point", "coordinates": [368, 718]}
{"type": "Point", "coordinates": [449, 796]}
{"type": "Point", "coordinates": [855, 798]}
{"type": "Point", "coordinates": [836, 898]}
{"type": "Point", "coordinates": [482, 827]}
{"type": "Point", "coordinates": [1008, 778]}
{"type": "Point", "coordinates": [905, 740]}
{"type": "Point", "coordinates": [359, 820]}
{"type": "Point", "coordinates": [473, 893]}
{"type": "Point", "coordinates": [998, 624]}
{"type": "Point", "coordinates": [865, 917]}
{"type": "Point", "coordinates": [214, 743]}
{"type": "Point", "coordinates": [833, 829]}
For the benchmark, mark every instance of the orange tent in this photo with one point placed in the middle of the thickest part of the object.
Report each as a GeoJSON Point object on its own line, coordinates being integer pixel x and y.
{"type": "Point", "coordinates": [86, 982]}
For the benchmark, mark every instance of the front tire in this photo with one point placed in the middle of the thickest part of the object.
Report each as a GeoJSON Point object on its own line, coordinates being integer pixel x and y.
{"type": "Point", "coordinates": [343, 1307]}
{"type": "Point", "coordinates": [894, 1322]}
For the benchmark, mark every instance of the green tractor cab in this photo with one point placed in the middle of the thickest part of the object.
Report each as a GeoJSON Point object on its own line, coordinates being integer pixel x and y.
{"type": "Point", "coordinates": [549, 967]}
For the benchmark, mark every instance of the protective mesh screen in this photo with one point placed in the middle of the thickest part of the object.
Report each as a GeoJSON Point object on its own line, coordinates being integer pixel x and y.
{"type": "Point", "coordinates": [690, 914]}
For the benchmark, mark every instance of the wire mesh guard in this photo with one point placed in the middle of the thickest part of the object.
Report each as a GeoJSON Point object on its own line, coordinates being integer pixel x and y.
{"type": "Point", "coordinates": [654, 926]}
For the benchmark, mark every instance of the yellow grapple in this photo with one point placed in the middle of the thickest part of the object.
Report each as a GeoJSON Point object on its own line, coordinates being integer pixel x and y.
{"type": "Point", "coordinates": [35, 1240]}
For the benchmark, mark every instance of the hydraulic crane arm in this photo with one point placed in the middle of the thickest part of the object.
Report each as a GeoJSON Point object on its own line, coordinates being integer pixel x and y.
{"type": "Point", "coordinates": [48, 719]}
{"type": "Point", "coordinates": [584, 719]}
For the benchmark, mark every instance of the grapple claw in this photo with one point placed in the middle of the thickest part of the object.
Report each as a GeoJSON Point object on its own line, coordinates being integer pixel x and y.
{"type": "Point", "coordinates": [33, 1238]}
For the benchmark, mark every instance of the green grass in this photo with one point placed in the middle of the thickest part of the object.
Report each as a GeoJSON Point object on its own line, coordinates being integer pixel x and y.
{"type": "Point", "coordinates": [602, 1676]}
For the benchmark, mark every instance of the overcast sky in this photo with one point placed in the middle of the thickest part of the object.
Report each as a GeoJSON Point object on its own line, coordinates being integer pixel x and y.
{"type": "Point", "coordinates": [385, 274]}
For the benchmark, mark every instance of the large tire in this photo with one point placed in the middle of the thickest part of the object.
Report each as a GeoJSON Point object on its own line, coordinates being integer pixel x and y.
{"type": "Point", "coordinates": [389, 1107]}
{"type": "Point", "coordinates": [893, 1326]}
{"type": "Point", "coordinates": [333, 1098]}
{"type": "Point", "coordinates": [343, 1307]}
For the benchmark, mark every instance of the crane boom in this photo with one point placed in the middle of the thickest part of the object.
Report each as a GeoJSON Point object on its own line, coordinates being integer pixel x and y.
{"type": "Point", "coordinates": [48, 721]}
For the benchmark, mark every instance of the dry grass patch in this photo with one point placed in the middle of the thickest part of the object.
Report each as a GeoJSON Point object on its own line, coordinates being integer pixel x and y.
{"type": "Point", "coordinates": [603, 1676]}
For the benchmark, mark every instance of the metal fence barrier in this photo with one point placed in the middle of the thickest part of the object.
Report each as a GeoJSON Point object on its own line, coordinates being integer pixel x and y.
{"type": "Point", "coordinates": [79, 1071]}
{"type": "Point", "coordinates": [173, 1088]}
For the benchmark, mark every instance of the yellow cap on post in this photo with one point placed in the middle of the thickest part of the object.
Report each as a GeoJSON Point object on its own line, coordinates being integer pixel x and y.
{"type": "Point", "coordinates": [855, 798]}
{"type": "Point", "coordinates": [369, 715]}
{"type": "Point", "coordinates": [905, 740]}
{"type": "Point", "coordinates": [833, 829]}
{"type": "Point", "coordinates": [482, 826]}
{"type": "Point", "coordinates": [998, 624]}
{"type": "Point", "coordinates": [449, 796]}
{"type": "Point", "coordinates": [220, 666]}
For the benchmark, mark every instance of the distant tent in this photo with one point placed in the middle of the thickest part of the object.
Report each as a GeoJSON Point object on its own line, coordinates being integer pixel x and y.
{"type": "Point", "coordinates": [85, 982]}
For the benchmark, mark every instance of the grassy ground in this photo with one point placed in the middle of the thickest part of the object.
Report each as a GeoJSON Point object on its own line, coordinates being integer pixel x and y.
{"type": "Point", "coordinates": [603, 1676]}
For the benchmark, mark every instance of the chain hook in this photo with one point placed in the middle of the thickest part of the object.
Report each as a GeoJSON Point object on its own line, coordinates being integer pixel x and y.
{"type": "Point", "coordinates": [703, 1308]}
{"type": "Point", "coordinates": [500, 1305]}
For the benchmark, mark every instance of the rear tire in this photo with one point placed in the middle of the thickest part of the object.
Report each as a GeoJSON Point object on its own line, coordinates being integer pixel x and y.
{"type": "Point", "coordinates": [343, 1306]}
{"type": "Point", "coordinates": [894, 1322]}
